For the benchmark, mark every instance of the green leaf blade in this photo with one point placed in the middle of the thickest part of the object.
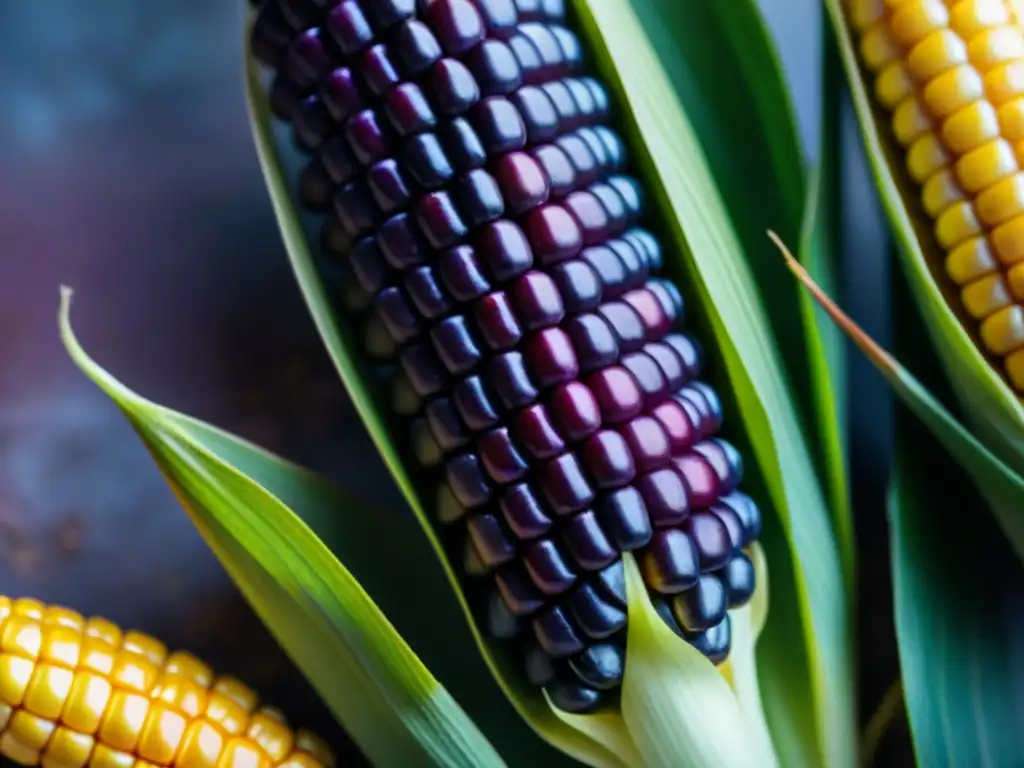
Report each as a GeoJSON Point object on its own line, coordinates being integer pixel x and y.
{"type": "Point", "coordinates": [392, 706]}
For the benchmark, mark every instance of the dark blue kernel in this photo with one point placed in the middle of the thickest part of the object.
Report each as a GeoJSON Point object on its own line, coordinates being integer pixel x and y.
{"type": "Point", "coordinates": [624, 519]}
{"type": "Point", "coordinates": [738, 578]}
{"type": "Point", "coordinates": [586, 542]}
{"type": "Point", "coordinates": [461, 273]}
{"type": "Point", "coordinates": [600, 666]}
{"type": "Point", "coordinates": [564, 485]}
{"type": "Point", "coordinates": [451, 87]}
{"type": "Point", "coordinates": [547, 568]}
{"type": "Point", "coordinates": [337, 159]}
{"type": "Point", "coordinates": [490, 540]}
{"type": "Point", "coordinates": [538, 666]}
{"type": "Point", "coordinates": [702, 606]}
{"type": "Point", "coordinates": [396, 314]}
{"type": "Point", "coordinates": [315, 187]}
{"type": "Point", "coordinates": [462, 145]}
{"type": "Point", "coordinates": [498, 124]}
{"type": "Point", "coordinates": [386, 13]}
{"type": "Point", "coordinates": [594, 341]}
{"type": "Point", "coordinates": [439, 220]}
{"type": "Point", "coordinates": [556, 634]}
{"type": "Point", "coordinates": [504, 250]}
{"type": "Point", "coordinates": [349, 27]}
{"type": "Point", "coordinates": [423, 369]}
{"type": "Point", "coordinates": [494, 68]}
{"type": "Point", "coordinates": [508, 377]}
{"type": "Point", "coordinates": [517, 591]}
{"type": "Point", "coordinates": [312, 123]}
{"type": "Point", "coordinates": [457, 24]}
{"type": "Point", "coordinates": [467, 480]}
{"type": "Point", "coordinates": [354, 209]}
{"type": "Point", "coordinates": [378, 71]}
{"type": "Point", "coordinates": [501, 622]}
{"type": "Point", "coordinates": [537, 112]}
{"type": "Point", "coordinates": [368, 265]}
{"type": "Point", "coordinates": [596, 617]}
{"type": "Point", "coordinates": [478, 198]}
{"type": "Point", "coordinates": [424, 158]}
{"type": "Point", "coordinates": [408, 110]}
{"type": "Point", "coordinates": [415, 47]}
{"type": "Point", "coordinates": [578, 284]}
{"type": "Point", "coordinates": [523, 512]}
{"type": "Point", "coordinates": [474, 404]}
{"type": "Point", "coordinates": [573, 698]}
{"type": "Point", "coordinates": [446, 425]}
{"type": "Point", "coordinates": [426, 293]}
{"type": "Point", "coordinates": [399, 242]}
{"type": "Point", "coordinates": [388, 185]}
{"type": "Point", "coordinates": [455, 345]}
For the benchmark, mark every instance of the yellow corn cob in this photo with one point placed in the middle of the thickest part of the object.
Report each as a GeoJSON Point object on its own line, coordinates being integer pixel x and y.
{"type": "Point", "coordinates": [77, 692]}
{"type": "Point", "coordinates": [952, 74]}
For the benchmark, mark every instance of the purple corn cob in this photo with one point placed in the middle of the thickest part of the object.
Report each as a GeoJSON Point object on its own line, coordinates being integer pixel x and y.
{"type": "Point", "coordinates": [497, 263]}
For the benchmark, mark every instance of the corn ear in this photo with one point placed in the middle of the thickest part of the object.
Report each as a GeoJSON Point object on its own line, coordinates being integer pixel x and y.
{"type": "Point", "coordinates": [76, 691]}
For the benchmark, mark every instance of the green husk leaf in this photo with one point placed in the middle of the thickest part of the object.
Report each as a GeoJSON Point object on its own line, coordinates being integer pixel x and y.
{"type": "Point", "coordinates": [959, 602]}
{"type": "Point", "coordinates": [958, 591]}
{"type": "Point", "coordinates": [709, 266]}
{"type": "Point", "coordinates": [998, 483]}
{"type": "Point", "coordinates": [994, 412]}
{"type": "Point", "coordinates": [678, 708]}
{"type": "Point", "coordinates": [390, 703]}
{"type": "Point", "coordinates": [529, 703]}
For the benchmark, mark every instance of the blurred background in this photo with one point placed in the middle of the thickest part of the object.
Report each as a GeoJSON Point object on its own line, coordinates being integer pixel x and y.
{"type": "Point", "coordinates": [127, 172]}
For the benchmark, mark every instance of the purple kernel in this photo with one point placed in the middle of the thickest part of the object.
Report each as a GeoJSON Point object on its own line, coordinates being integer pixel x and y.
{"type": "Point", "coordinates": [524, 513]}
{"type": "Point", "coordinates": [517, 591]}
{"type": "Point", "coordinates": [648, 441]}
{"type": "Point", "coordinates": [551, 358]}
{"type": "Point", "coordinates": [444, 422]}
{"type": "Point", "coordinates": [340, 95]}
{"type": "Point", "coordinates": [467, 480]}
{"type": "Point", "coordinates": [596, 617]}
{"type": "Point", "coordinates": [564, 485]}
{"type": "Point", "coordinates": [617, 394]}
{"type": "Point", "coordinates": [536, 433]}
{"type": "Point", "coordinates": [408, 110]}
{"type": "Point", "coordinates": [626, 324]}
{"type": "Point", "coordinates": [451, 87]}
{"type": "Point", "coordinates": [554, 233]}
{"type": "Point", "coordinates": [510, 380]}
{"type": "Point", "coordinates": [608, 460]}
{"type": "Point", "coordinates": [670, 562]}
{"type": "Point", "coordinates": [557, 167]}
{"type": "Point", "coordinates": [415, 46]}
{"type": "Point", "coordinates": [594, 342]}
{"type": "Point", "coordinates": [348, 27]}
{"type": "Point", "coordinates": [439, 220]}
{"type": "Point", "coordinates": [648, 375]}
{"type": "Point", "coordinates": [474, 404]}
{"type": "Point", "coordinates": [456, 23]}
{"type": "Point", "coordinates": [397, 316]}
{"type": "Point", "coordinates": [461, 273]}
{"type": "Point", "coordinates": [538, 114]}
{"type": "Point", "coordinates": [575, 410]}
{"type": "Point", "coordinates": [423, 369]}
{"type": "Point", "coordinates": [425, 160]}
{"type": "Point", "coordinates": [578, 285]}
{"type": "Point", "coordinates": [664, 496]}
{"type": "Point", "coordinates": [337, 159]}
{"type": "Point", "coordinates": [537, 301]}
{"type": "Point", "coordinates": [522, 182]}
{"type": "Point", "coordinates": [388, 186]}
{"type": "Point", "coordinates": [498, 124]}
{"type": "Point", "coordinates": [399, 242]}
{"type": "Point", "coordinates": [494, 67]}
{"type": "Point", "coordinates": [586, 542]}
{"type": "Point", "coordinates": [547, 568]}
{"type": "Point", "coordinates": [556, 634]}
{"type": "Point", "coordinates": [378, 71]}
{"type": "Point", "coordinates": [500, 457]}
{"type": "Point", "coordinates": [497, 322]}
{"type": "Point", "coordinates": [455, 346]}
{"type": "Point", "coordinates": [504, 249]}
{"type": "Point", "coordinates": [700, 478]}
{"type": "Point", "coordinates": [491, 543]}
{"type": "Point", "coordinates": [478, 198]}
{"type": "Point", "coordinates": [710, 538]}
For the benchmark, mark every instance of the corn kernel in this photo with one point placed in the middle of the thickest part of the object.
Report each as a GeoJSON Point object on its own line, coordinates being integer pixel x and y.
{"type": "Point", "coordinates": [969, 17]}
{"type": "Point", "coordinates": [980, 168]}
{"type": "Point", "coordinates": [62, 646]}
{"type": "Point", "coordinates": [937, 53]}
{"type": "Point", "coordinates": [1015, 279]}
{"type": "Point", "coordinates": [103, 630]}
{"type": "Point", "coordinates": [202, 744]}
{"type": "Point", "coordinates": [13, 749]}
{"type": "Point", "coordinates": [271, 734]}
{"type": "Point", "coordinates": [925, 157]}
{"type": "Point", "coordinates": [985, 296]}
{"type": "Point", "coordinates": [1008, 241]}
{"type": "Point", "coordinates": [910, 121]}
{"type": "Point", "coordinates": [956, 224]}
{"type": "Point", "coordinates": [227, 713]}
{"type": "Point", "coordinates": [97, 656]}
{"type": "Point", "coordinates": [188, 666]}
{"type": "Point", "coordinates": [864, 13]}
{"type": "Point", "coordinates": [22, 636]}
{"type": "Point", "coordinates": [940, 191]}
{"type": "Point", "coordinates": [183, 695]}
{"type": "Point", "coordinates": [915, 21]}
{"type": "Point", "coordinates": [995, 46]}
{"type": "Point", "coordinates": [105, 757]}
{"type": "Point", "coordinates": [162, 734]}
{"type": "Point", "coordinates": [88, 700]}
{"type": "Point", "coordinates": [877, 48]}
{"type": "Point", "coordinates": [243, 754]}
{"type": "Point", "coordinates": [1005, 83]}
{"type": "Point", "coordinates": [1002, 201]}
{"type": "Point", "coordinates": [952, 91]}
{"type": "Point", "coordinates": [1014, 366]}
{"type": "Point", "coordinates": [47, 691]}
{"type": "Point", "coordinates": [134, 672]}
{"type": "Point", "coordinates": [30, 730]}
{"type": "Point", "coordinates": [971, 127]}
{"type": "Point", "coordinates": [29, 608]}
{"type": "Point", "coordinates": [1003, 331]}
{"type": "Point", "coordinates": [123, 720]}
{"type": "Point", "coordinates": [894, 85]}
{"type": "Point", "coordinates": [58, 616]}
{"type": "Point", "coordinates": [970, 260]}
{"type": "Point", "coordinates": [68, 749]}
{"type": "Point", "coordinates": [150, 648]}
{"type": "Point", "coordinates": [15, 675]}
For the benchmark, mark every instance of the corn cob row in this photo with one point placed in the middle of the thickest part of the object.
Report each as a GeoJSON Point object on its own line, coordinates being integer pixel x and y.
{"type": "Point", "coordinates": [77, 692]}
{"type": "Point", "coordinates": [952, 74]}
{"type": "Point", "coordinates": [481, 203]}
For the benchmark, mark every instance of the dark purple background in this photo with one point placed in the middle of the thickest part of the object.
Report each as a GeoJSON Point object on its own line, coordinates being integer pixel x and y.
{"type": "Point", "coordinates": [127, 171]}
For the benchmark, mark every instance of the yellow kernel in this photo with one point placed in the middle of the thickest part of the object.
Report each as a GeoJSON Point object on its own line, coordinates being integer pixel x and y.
{"type": "Point", "coordinates": [313, 745]}
{"type": "Point", "coordinates": [970, 260]}
{"type": "Point", "coordinates": [134, 672]}
{"type": "Point", "coordinates": [22, 636]}
{"type": "Point", "coordinates": [15, 674]}
{"type": "Point", "coordinates": [971, 127]}
{"type": "Point", "coordinates": [243, 754]}
{"type": "Point", "coordinates": [183, 695]}
{"type": "Point", "coordinates": [202, 745]}
{"type": "Point", "coordinates": [146, 646]}
{"type": "Point", "coordinates": [1014, 364]}
{"type": "Point", "coordinates": [105, 757]}
{"type": "Point", "coordinates": [227, 713]}
{"type": "Point", "coordinates": [877, 48]}
{"type": "Point", "coordinates": [88, 700]}
{"type": "Point", "coordinates": [1015, 279]}
{"type": "Point", "coordinates": [910, 120]}
{"type": "Point", "coordinates": [1005, 82]}
{"type": "Point", "coordinates": [104, 630]}
{"type": "Point", "coordinates": [1002, 201]}
{"type": "Point", "coordinates": [5, 715]}
{"type": "Point", "coordinates": [30, 730]}
{"type": "Point", "coordinates": [995, 46]}
{"type": "Point", "coordinates": [273, 713]}
{"type": "Point", "coordinates": [67, 749]}
{"type": "Point", "coordinates": [123, 720]}
{"type": "Point", "coordinates": [1003, 332]}
{"type": "Point", "coordinates": [28, 607]}
{"type": "Point", "coordinates": [982, 167]}
{"type": "Point", "coordinates": [893, 85]}
{"type": "Point", "coordinates": [940, 191]}
{"type": "Point", "coordinates": [97, 656]}
{"type": "Point", "coordinates": [1011, 120]}
{"type": "Point", "coordinates": [969, 17]}
{"type": "Point", "coordinates": [915, 21]}
{"type": "Point", "coordinates": [5, 609]}
{"type": "Point", "coordinates": [48, 690]}
{"type": "Point", "coordinates": [864, 13]}
{"type": "Point", "coordinates": [237, 691]}
{"type": "Point", "coordinates": [925, 157]}
{"type": "Point", "coordinates": [985, 296]}
{"type": "Point", "coordinates": [953, 90]}
{"type": "Point", "coordinates": [162, 735]}
{"type": "Point", "coordinates": [1008, 241]}
{"type": "Point", "coordinates": [188, 666]}
{"type": "Point", "coordinates": [273, 736]}
{"type": "Point", "coordinates": [57, 615]}
{"type": "Point", "coordinates": [11, 748]}
{"type": "Point", "coordinates": [62, 646]}
{"type": "Point", "coordinates": [956, 224]}
{"type": "Point", "coordinates": [940, 51]}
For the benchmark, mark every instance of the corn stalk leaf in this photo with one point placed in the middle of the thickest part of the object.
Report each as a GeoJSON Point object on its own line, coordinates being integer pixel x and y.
{"type": "Point", "coordinates": [959, 595]}
{"type": "Point", "coordinates": [1000, 485]}
{"type": "Point", "coordinates": [994, 412]}
{"type": "Point", "coordinates": [380, 691]}
{"type": "Point", "coordinates": [709, 267]}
